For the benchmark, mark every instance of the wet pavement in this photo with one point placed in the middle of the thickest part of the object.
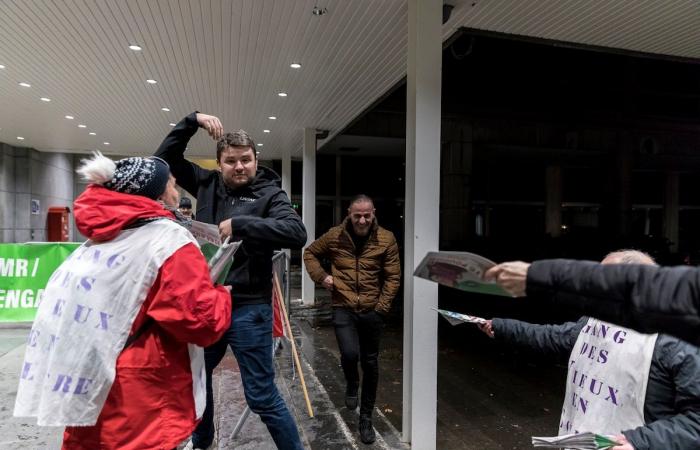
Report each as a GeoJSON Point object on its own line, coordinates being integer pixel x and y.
{"type": "Point", "coordinates": [330, 428]}
{"type": "Point", "coordinates": [490, 396]}
{"type": "Point", "coordinates": [16, 433]}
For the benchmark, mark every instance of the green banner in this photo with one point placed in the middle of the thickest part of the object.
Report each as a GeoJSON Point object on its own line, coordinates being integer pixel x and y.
{"type": "Point", "coordinates": [24, 271]}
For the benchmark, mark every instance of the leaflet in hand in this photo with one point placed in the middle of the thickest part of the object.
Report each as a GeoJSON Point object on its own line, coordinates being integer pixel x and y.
{"type": "Point", "coordinates": [220, 262]}
{"type": "Point", "coordinates": [581, 441]}
{"type": "Point", "coordinates": [456, 318]}
{"type": "Point", "coordinates": [218, 253]}
{"type": "Point", "coordinates": [206, 232]}
{"type": "Point", "coordinates": [460, 270]}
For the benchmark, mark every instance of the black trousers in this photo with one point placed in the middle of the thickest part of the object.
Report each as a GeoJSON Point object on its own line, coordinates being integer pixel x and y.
{"type": "Point", "coordinates": [358, 339]}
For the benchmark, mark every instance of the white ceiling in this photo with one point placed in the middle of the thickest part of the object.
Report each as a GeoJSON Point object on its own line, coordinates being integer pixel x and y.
{"type": "Point", "coordinates": [231, 58]}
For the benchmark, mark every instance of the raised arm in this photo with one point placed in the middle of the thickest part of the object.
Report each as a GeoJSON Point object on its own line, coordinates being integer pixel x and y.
{"type": "Point", "coordinates": [173, 147]}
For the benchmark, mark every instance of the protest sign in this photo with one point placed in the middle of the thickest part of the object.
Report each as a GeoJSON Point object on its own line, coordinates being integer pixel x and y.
{"type": "Point", "coordinates": [24, 271]}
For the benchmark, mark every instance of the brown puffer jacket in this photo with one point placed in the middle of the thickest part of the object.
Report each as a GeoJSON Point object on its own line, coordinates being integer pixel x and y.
{"type": "Point", "coordinates": [364, 282]}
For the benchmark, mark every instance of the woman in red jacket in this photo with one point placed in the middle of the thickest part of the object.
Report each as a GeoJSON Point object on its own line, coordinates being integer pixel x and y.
{"type": "Point", "coordinates": [115, 364]}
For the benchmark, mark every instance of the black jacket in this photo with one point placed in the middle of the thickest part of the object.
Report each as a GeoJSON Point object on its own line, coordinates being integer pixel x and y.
{"type": "Point", "coordinates": [261, 214]}
{"type": "Point", "coordinates": [649, 299]}
{"type": "Point", "coordinates": [672, 403]}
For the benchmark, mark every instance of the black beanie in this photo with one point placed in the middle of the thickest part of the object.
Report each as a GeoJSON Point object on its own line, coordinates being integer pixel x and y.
{"type": "Point", "coordinates": [140, 176]}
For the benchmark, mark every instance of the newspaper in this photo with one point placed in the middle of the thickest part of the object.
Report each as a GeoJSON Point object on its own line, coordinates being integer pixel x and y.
{"type": "Point", "coordinates": [220, 263]}
{"type": "Point", "coordinates": [218, 253]}
{"type": "Point", "coordinates": [459, 270]}
{"type": "Point", "coordinates": [206, 232]}
{"type": "Point", "coordinates": [455, 318]}
{"type": "Point", "coordinates": [581, 441]}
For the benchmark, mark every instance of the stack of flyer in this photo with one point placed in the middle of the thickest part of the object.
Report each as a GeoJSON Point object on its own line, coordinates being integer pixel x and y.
{"type": "Point", "coordinates": [581, 441]}
{"type": "Point", "coordinates": [218, 253]}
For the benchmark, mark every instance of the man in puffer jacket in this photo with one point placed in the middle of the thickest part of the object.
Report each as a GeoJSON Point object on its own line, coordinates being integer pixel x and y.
{"type": "Point", "coordinates": [365, 277]}
{"type": "Point", "coordinates": [620, 381]}
{"type": "Point", "coordinates": [109, 355]}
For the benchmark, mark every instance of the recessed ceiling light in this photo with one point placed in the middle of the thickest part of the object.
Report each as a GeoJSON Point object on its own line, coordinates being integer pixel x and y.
{"type": "Point", "coordinates": [92, 133]}
{"type": "Point", "coordinates": [171, 124]}
{"type": "Point", "coordinates": [23, 84]}
{"type": "Point", "coordinates": [70, 117]}
{"type": "Point", "coordinates": [282, 94]}
{"type": "Point", "coordinates": [106, 143]}
{"type": "Point", "coordinates": [272, 118]}
{"type": "Point", "coordinates": [135, 48]}
{"type": "Point", "coordinates": [151, 81]}
{"type": "Point", "coordinates": [260, 144]}
{"type": "Point", "coordinates": [295, 65]}
{"type": "Point", "coordinates": [20, 138]}
{"type": "Point", "coordinates": [266, 131]}
{"type": "Point", "coordinates": [165, 109]}
{"type": "Point", "coordinates": [45, 99]}
{"type": "Point", "coordinates": [1, 66]}
{"type": "Point", "coordinates": [82, 126]}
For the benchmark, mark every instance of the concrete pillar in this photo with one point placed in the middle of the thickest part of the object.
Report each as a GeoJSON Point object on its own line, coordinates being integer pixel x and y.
{"type": "Point", "coordinates": [308, 207]}
{"type": "Point", "coordinates": [423, 115]}
{"type": "Point", "coordinates": [338, 214]}
{"type": "Point", "coordinates": [287, 174]}
{"type": "Point", "coordinates": [553, 197]}
{"type": "Point", "coordinates": [671, 210]}
{"type": "Point", "coordinates": [287, 185]}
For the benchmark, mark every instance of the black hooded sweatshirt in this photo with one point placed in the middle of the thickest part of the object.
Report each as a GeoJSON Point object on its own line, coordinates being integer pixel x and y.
{"type": "Point", "coordinates": [261, 214]}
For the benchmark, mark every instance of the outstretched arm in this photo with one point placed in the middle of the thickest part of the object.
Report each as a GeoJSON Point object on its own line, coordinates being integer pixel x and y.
{"type": "Point", "coordinates": [554, 340]}
{"type": "Point", "coordinates": [646, 298]}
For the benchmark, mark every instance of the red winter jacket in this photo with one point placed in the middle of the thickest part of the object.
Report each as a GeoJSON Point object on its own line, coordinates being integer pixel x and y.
{"type": "Point", "coordinates": [150, 405]}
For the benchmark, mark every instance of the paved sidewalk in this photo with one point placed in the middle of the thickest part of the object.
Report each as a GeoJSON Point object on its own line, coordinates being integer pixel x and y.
{"type": "Point", "coordinates": [333, 426]}
{"type": "Point", "coordinates": [18, 433]}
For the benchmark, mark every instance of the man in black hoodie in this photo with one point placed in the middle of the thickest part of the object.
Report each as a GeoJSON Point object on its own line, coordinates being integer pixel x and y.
{"type": "Point", "coordinates": [246, 202]}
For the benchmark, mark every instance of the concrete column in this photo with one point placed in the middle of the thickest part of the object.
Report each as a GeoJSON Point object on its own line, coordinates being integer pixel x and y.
{"type": "Point", "coordinates": [287, 187]}
{"type": "Point", "coordinates": [287, 174]}
{"type": "Point", "coordinates": [671, 210]}
{"type": "Point", "coordinates": [308, 207]}
{"type": "Point", "coordinates": [553, 196]}
{"type": "Point", "coordinates": [423, 116]}
{"type": "Point", "coordinates": [337, 203]}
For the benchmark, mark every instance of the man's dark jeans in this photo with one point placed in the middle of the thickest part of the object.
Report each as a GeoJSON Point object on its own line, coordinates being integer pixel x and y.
{"type": "Point", "coordinates": [358, 338]}
{"type": "Point", "coordinates": [250, 338]}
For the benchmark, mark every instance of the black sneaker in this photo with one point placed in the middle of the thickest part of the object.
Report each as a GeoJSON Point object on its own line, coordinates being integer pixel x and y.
{"type": "Point", "coordinates": [367, 435]}
{"type": "Point", "coordinates": [351, 398]}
